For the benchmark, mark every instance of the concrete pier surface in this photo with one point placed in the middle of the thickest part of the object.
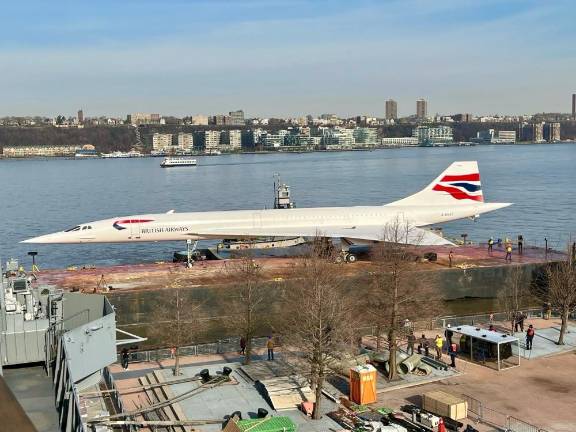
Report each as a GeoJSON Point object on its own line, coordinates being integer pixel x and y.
{"type": "Point", "coordinates": [539, 392]}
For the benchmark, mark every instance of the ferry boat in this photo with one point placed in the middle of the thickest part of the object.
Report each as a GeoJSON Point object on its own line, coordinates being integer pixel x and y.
{"type": "Point", "coordinates": [177, 161]}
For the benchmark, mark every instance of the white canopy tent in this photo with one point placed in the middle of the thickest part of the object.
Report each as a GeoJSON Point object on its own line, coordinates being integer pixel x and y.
{"type": "Point", "coordinates": [478, 338]}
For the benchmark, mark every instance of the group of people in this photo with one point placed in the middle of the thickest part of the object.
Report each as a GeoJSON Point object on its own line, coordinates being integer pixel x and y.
{"type": "Point", "coordinates": [269, 347]}
{"type": "Point", "coordinates": [507, 246]}
{"type": "Point", "coordinates": [424, 346]}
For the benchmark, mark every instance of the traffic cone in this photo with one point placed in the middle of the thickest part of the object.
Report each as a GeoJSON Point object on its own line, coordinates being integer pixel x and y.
{"type": "Point", "coordinates": [441, 427]}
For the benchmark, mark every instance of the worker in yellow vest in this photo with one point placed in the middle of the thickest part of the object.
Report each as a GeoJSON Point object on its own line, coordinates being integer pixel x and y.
{"type": "Point", "coordinates": [438, 342]}
{"type": "Point", "coordinates": [508, 253]}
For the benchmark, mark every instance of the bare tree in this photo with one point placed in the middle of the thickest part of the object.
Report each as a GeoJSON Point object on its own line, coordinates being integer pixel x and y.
{"type": "Point", "coordinates": [317, 320]}
{"type": "Point", "coordinates": [398, 292]}
{"type": "Point", "coordinates": [249, 303]}
{"type": "Point", "coordinates": [560, 290]}
{"type": "Point", "coordinates": [514, 295]}
{"type": "Point", "coordinates": [175, 319]}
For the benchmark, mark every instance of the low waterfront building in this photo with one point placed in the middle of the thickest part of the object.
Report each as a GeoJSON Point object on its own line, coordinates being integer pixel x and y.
{"type": "Point", "coordinates": [337, 138]}
{"type": "Point", "coordinates": [365, 136]}
{"type": "Point", "coordinates": [399, 141]}
{"type": "Point", "coordinates": [38, 151]}
{"type": "Point", "coordinates": [489, 136]}
{"type": "Point", "coordinates": [428, 135]}
{"type": "Point", "coordinates": [161, 141]}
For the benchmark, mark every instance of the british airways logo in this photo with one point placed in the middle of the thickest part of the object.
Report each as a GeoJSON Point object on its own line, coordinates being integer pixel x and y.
{"type": "Point", "coordinates": [119, 224]}
{"type": "Point", "coordinates": [460, 187]}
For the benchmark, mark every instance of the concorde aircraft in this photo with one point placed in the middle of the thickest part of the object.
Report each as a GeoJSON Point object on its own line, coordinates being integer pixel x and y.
{"type": "Point", "coordinates": [454, 194]}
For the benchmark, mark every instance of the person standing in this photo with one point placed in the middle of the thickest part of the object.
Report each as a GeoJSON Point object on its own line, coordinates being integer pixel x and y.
{"type": "Point", "coordinates": [125, 359]}
{"type": "Point", "coordinates": [438, 342]}
{"type": "Point", "coordinates": [450, 258]}
{"type": "Point", "coordinates": [521, 318]}
{"type": "Point", "coordinates": [508, 252]}
{"type": "Point", "coordinates": [490, 245]}
{"type": "Point", "coordinates": [529, 337]}
{"type": "Point", "coordinates": [242, 345]}
{"type": "Point", "coordinates": [520, 244]}
{"type": "Point", "coordinates": [452, 352]}
{"type": "Point", "coordinates": [424, 345]}
{"type": "Point", "coordinates": [411, 342]}
{"type": "Point", "coordinates": [270, 347]}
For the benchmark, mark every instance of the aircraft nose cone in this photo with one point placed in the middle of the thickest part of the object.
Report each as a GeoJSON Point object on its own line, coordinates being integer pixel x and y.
{"type": "Point", "coordinates": [48, 238]}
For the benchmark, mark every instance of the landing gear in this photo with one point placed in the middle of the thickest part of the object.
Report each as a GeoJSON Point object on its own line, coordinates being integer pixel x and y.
{"type": "Point", "coordinates": [191, 252]}
{"type": "Point", "coordinates": [345, 256]}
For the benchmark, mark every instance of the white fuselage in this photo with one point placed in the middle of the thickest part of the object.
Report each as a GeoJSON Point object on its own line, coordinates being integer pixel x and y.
{"type": "Point", "coordinates": [255, 223]}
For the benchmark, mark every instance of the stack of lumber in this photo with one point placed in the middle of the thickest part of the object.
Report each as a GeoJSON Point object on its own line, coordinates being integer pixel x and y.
{"type": "Point", "coordinates": [171, 412]}
{"type": "Point", "coordinates": [287, 392]}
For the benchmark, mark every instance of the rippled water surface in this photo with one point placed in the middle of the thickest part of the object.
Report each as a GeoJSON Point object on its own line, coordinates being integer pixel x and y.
{"type": "Point", "coordinates": [43, 196]}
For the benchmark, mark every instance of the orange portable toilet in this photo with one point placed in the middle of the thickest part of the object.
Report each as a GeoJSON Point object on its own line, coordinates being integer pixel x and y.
{"type": "Point", "coordinates": [363, 384]}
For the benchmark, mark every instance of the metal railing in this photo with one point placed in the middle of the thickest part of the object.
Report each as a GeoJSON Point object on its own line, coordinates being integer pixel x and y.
{"type": "Point", "coordinates": [480, 413]}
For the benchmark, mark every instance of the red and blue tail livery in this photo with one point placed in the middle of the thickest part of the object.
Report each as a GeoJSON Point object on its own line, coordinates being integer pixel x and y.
{"type": "Point", "coordinates": [461, 187]}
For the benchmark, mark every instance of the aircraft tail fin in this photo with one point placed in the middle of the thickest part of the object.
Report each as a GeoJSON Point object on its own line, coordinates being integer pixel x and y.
{"type": "Point", "coordinates": [458, 184]}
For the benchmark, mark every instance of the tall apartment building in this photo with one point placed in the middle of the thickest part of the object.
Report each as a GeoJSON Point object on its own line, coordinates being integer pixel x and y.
{"type": "Point", "coordinates": [533, 132]}
{"type": "Point", "coordinates": [552, 132]}
{"type": "Point", "coordinates": [161, 141]}
{"type": "Point", "coordinates": [421, 109]}
{"type": "Point", "coordinates": [236, 118]}
{"type": "Point", "coordinates": [235, 139]}
{"type": "Point", "coordinates": [143, 118]}
{"type": "Point", "coordinates": [185, 141]}
{"type": "Point", "coordinates": [80, 117]}
{"type": "Point", "coordinates": [391, 109]}
{"type": "Point", "coordinates": [574, 106]}
{"type": "Point", "coordinates": [211, 141]}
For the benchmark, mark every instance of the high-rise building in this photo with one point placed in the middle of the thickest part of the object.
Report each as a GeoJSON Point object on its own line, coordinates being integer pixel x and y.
{"type": "Point", "coordinates": [237, 118]}
{"type": "Point", "coordinates": [421, 109]}
{"type": "Point", "coordinates": [552, 132]}
{"type": "Point", "coordinates": [211, 141]}
{"type": "Point", "coordinates": [574, 106]}
{"type": "Point", "coordinates": [161, 141]}
{"type": "Point", "coordinates": [80, 117]}
{"type": "Point", "coordinates": [185, 141]}
{"type": "Point", "coordinates": [391, 109]}
{"type": "Point", "coordinates": [533, 132]}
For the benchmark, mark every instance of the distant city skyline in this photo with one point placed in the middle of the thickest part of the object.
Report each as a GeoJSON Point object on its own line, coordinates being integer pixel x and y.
{"type": "Point", "coordinates": [287, 58]}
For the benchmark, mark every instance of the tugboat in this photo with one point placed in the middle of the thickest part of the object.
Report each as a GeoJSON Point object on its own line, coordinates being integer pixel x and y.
{"type": "Point", "coordinates": [177, 161]}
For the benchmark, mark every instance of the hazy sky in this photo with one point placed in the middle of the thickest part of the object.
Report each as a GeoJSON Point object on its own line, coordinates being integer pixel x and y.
{"type": "Point", "coordinates": [286, 58]}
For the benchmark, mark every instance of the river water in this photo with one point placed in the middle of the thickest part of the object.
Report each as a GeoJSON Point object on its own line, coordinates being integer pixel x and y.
{"type": "Point", "coordinates": [43, 196]}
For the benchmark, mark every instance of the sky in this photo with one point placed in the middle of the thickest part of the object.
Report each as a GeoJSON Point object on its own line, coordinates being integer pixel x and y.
{"type": "Point", "coordinates": [279, 58]}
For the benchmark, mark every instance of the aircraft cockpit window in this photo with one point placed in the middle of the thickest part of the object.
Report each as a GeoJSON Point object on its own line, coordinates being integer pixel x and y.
{"type": "Point", "coordinates": [76, 228]}
{"type": "Point", "coordinates": [89, 227]}
{"type": "Point", "coordinates": [84, 227]}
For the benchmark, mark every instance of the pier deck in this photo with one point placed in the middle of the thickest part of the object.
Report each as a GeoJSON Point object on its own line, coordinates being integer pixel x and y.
{"type": "Point", "coordinates": [204, 273]}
